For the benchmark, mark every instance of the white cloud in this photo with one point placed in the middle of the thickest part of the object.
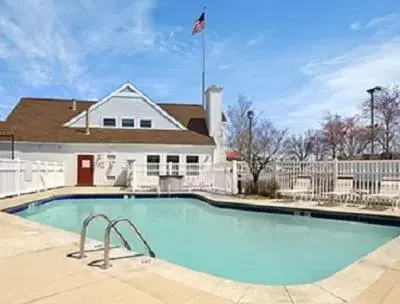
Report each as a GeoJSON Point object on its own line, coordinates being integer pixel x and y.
{"type": "Point", "coordinates": [125, 29]}
{"type": "Point", "coordinates": [4, 50]}
{"type": "Point", "coordinates": [355, 26]}
{"type": "Point", "coordinates": [256, 40]}
{"type": "Point", "coordinates": [387, 21]}
{"type": "Point", "coordinates": [41, 45]}
{"type": "Point", "coordinates": [48, 42]}
{"type": "Point", "coordinates": [341, 86]}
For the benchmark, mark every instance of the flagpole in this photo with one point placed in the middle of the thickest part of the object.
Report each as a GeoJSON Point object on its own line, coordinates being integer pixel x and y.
{"type": "Point", "coordinates": [203, 75]}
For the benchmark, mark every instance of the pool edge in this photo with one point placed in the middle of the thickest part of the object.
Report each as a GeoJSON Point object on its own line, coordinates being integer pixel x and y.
{"type": "Point", "coordinates": [345, 285]}
{"type": "Point", "coordinates": [369, 218]}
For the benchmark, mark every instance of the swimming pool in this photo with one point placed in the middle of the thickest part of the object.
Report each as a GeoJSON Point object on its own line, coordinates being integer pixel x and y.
{"type": "Point", "coordinates": [251, 247]}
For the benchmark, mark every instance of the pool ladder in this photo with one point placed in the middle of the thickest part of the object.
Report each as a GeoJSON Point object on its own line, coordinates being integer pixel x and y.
{"type": "Point", "coordinates": [111, 226]}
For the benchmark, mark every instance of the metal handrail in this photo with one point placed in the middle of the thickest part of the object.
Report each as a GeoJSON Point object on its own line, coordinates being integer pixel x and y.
{"type": "Point", "coordinates": [86, 222]}
{"type": "Point", "coordinates": [112, 225]}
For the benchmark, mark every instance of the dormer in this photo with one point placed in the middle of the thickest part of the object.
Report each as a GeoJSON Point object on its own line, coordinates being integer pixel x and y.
{"type": "Point", "coordinates": [126, 108]}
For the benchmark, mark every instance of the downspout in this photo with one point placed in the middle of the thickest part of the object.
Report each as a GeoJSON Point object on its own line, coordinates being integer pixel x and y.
{"type": "Point", "coordinates": [87, 122]}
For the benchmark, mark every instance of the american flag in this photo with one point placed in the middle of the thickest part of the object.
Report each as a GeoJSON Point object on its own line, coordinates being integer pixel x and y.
{"type": "Point", "coordinates": [199, 24]}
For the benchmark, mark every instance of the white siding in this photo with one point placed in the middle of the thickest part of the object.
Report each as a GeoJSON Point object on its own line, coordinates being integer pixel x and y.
{"type": "Point", "coordinates": [127, 107]}
{"type": "Point", "coordinates": [67, 153]}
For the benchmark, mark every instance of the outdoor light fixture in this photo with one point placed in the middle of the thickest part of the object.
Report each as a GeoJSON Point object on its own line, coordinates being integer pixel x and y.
{"type": "Point", "coordinates": [250, 116]}
{"type": "Point", "coordinates": [372, 91]}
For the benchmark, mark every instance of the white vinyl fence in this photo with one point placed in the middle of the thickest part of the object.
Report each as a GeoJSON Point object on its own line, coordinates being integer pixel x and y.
{"type": "Point", "coordinates": [20, 176]}
{"type": "Point", "coordinates": [190, 177]}
{"type": "Point", "coordinates": [367, 175]}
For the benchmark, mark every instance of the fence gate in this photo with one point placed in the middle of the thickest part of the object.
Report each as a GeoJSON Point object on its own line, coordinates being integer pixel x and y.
{"type": "Point", "coordinates": [222, 177]}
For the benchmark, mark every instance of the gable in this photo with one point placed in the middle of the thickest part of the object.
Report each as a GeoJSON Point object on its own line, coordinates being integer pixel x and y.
{"type": "Point", "coordinates": [127, 90]}
{"type": "Point", "coordinates": [120, 107]}
{"type": "Point", "coordinates": [127, 102]}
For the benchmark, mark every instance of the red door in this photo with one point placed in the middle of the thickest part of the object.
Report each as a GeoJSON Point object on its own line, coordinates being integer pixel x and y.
{"type": "Point", "coordinates": [85, 170]}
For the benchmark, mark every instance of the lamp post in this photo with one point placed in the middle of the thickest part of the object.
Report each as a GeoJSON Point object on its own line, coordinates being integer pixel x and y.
{"type": "Point", "coordinates": [371, 92]}
{"type": "Point", "coordinates": [250, 116]}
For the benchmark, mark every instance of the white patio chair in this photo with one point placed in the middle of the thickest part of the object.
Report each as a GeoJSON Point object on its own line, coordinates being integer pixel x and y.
{"type": "Point", "coordinates": [148, 188]}
{"type": "Point", "coordinates": [197, 183]}
{"type": "Point", "coordinates": [302, 188]}
{"type": "Point", "coordinates": [344, 189]}
{"type": "Point", "coordinates": [388, 192]}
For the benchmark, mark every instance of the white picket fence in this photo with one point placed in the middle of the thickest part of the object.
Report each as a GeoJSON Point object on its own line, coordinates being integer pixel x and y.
{"type": "Point", "coordinates": [21, 176]}
{"type": "Point", "coordinates": [367, 175]}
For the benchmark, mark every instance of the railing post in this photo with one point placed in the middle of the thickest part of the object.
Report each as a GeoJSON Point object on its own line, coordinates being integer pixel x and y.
{"type": "Point", "coordinates": [46, 174]}
{"type": "Point", "coordinates": [335, 172]}
{"type": "Point", "coordinates": [234, 177]}
{"type": "Point", "coordinates": [169, 167]}
{"type": "Point", "coordinates": [39, 172]}
{"type": "Point", "coordinates": [18, 181]}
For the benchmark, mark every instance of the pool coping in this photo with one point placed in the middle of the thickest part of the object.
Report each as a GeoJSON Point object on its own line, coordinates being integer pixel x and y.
{"type": "Point", "coordinates": [341, 287]}
{"type": "Point", "coordinates": [316, 211]}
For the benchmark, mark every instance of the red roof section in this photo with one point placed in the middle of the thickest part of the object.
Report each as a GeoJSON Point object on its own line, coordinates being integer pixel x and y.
{"type": "Point", "coordinates": [232, 155]}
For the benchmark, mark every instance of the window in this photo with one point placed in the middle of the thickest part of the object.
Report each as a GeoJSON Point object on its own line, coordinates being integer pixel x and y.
{"type": "Point", "coordinates": [109, 122]}
{"type": "Point", "coordinates": [128, 123]}
{"type": "Point", "coordinates": [153, 165]}
{"type": "Point", "coordinates": [173, 164]}
{"type": "Point", "coordinates": [145, 123]}
{"type": "Point", "coordinates": [192, 165]}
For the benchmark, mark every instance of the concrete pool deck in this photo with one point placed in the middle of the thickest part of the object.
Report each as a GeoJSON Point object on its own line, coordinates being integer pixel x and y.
{"type": "Point", "coordinates": [35, 269]}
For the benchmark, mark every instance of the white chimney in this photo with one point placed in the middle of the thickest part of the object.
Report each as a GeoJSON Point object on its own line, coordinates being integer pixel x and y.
{"type": "Point", "coordinates": [73, 105]}
{"type": "Point", "coordinates": [87, 122]}
{"type": "Point", "coordinates": [213, 110]}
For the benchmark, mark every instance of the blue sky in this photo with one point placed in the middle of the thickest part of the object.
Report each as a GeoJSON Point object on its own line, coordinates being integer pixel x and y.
{"type": "Point", "coordinates": [294, 59]}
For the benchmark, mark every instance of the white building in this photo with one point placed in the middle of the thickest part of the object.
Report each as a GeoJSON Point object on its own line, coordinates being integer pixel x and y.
{"type": "Point", "coordinates": [97, 141]}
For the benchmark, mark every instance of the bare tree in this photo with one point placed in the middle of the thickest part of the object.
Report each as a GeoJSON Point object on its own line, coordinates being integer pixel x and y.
{"type": "Point", "coordinates": [355, 139]}
{"type": "Point", "coordinates": [387, 114]}
{"type": "Point", "coordinates": [332, 134]}
{"type": "Point", "coordinates": [266, 143]}
{"type": "Point", "coordinates": [301, 147]}
{"type": "Point", "coordinates": [319, 151]}
{"type": "Point", "coordinates": [238, 127]}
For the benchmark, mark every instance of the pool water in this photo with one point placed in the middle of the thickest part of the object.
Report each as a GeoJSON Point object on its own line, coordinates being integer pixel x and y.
{"type": "Point", "coordinates": [244, 246]}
